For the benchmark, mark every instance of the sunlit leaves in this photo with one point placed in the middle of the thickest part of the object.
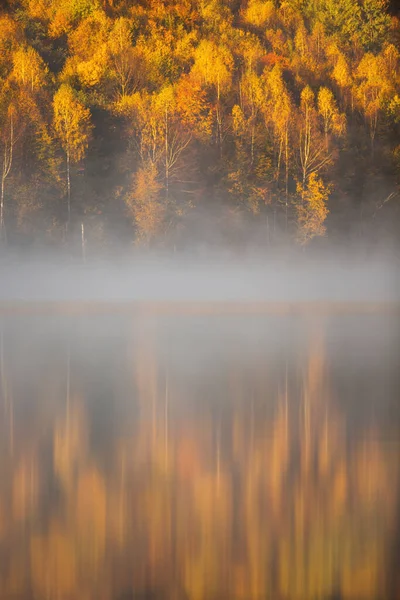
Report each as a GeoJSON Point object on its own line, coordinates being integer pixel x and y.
{"type": "Point", "coordinates": [29, 69]}
{"type": "Point", "coordinates": [259, 12]}
{"type": "Point", "coordinates": [192, 106]}
{"type": "Point", "coordinates": [71, 122]}
{"type": "Point", "coordinates": [213, 65]}
{"type": "Point", "coordinates": [10, 40]}
{"type": "Point", "coordinates": [312, 210]}
{"type": "Point", "coordinates": [144, 204]}
{"type": "Point", "coordinates": [333, 121]}
{"type": "Point", "coordinates": [126, 62]}
{"type": "Point", "coordinates": [63, 15]}
{"type": "Point", "coordinates": [217, 57]}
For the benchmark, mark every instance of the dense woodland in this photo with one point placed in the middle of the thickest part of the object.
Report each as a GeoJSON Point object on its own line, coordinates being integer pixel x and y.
{"type": "Point", "coordinates": [167, 123]}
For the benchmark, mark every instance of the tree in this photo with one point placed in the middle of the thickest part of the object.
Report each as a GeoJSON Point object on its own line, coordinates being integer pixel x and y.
{"type": "Point", "coordinates": [126, 62]}
{"type": "Point", "coordinates": [375, 23]}
{"type": "Point", "coordinates": [175, 139]}
{"type": "Point", "coordinates": [72, 126]}
{"type": "Point", "coordinates": [333, 121]}
{"type": "Point", "coordinates": [159, 132]}
{"type": "Point", "coordinates": [342, 76]}
{"type": "Point", "coordinates": [64, 14]}
{"type": "Point", "coordinates": [213, 65]}
{"type": "Point", "coordinates": [279, 111]}
{"type": "Point", "coordinates": [312, 210]}
{"type": "Point", "coordinates": [144, 204]}
{"type": "Point", "coordinates": [311, 149]}
{"type": "Point", "coordinates": [88, 50]}
{"type": "Point", "coordinates": [8, 139]}
{"type": "Point", "coordinates": [259, 13]}
{"type": "Point", "coordinates": [192, 107]}
{"type": "Point", "coordinates": [10, 40]}
{"type": "Point", "coordinates": [29, 70]}
{"type": "Point", "coordinates": [251, 102]}
{"type": "Point", "coordinates": [372, 90]}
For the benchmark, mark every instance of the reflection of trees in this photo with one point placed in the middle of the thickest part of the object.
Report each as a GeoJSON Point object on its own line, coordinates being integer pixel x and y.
{"type": "Point", "coordinates": [258, 506]}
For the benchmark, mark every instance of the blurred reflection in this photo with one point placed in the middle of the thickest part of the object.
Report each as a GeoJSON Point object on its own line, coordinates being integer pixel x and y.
{"type": "Point", "coordinates": [197, 458]}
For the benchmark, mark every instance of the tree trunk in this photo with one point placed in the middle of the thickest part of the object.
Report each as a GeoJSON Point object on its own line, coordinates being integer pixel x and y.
{"type": "Point", "coordinates": [68, 190]}
{"type": "Point", "coordinates": [279, 161]}
{"type": "Point", "coordinates": [83, 241]}
{"type": "Point", "coordinates": [252, 143]}
{"type": "Point", "coordinates": [7, 164]}
{"type": "Point", "coordinates": [219, 118]}
{"type": "Point", "coordinates": [166, 156]}
{"type": "Point", "coordinates": [286, 174]}
{"type": "Point", "coordinates": [2, 228]}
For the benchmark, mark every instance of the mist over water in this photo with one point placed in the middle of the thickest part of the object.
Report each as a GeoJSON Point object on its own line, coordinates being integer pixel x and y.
{"type": "Point", "coordinates": [181, 277]}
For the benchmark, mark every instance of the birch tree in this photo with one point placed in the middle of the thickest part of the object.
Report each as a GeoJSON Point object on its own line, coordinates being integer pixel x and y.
{"type": "Point", "coordinates": [312, 153]}
{"type": "Point", "coordinates": [72, 126]}
{"type": "Point", "coordinates": [8, 142]}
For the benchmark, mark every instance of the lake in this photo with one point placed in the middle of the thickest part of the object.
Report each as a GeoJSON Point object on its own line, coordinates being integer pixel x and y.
{"type": "Point", "coordinates": [199, 456]}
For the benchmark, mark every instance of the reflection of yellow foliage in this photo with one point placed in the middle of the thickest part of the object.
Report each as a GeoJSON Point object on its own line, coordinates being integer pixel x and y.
{"type": "Point", "coordinates": [278, 506]}
{"type": "Point", "coordinates": [70, 438]}
{"type": "Point", "coordinates": [339, 490]}
{"type": "Point", "coordinates": [375, 474]}
{"type": "Point", "coordinates": [90, 514]}
{"type": "Point", "coordinates": [53, 564]}
{"type": "Point", "coordinates": [362, 581]}
{"type": "Point", "coordinates": [25, 488]}
{"type": "Point", "coordinates": [2, 520]}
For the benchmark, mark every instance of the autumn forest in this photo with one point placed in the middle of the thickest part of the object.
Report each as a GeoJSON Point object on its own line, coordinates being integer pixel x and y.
{"type": "Point", "coordinates": [165, 123]}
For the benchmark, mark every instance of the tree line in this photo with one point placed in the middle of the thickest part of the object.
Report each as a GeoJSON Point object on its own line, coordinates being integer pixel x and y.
{"type": "Point", "coordinates": [129, 121]}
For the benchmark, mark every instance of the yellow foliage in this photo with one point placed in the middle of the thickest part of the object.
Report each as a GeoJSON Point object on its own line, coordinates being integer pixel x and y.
{"type": "Point", "coordinates": [252, 51]}
{"type": "Point", "coordinates": [312, 210]}
{"type": "Point", "coordinates": [341, 72]}
{"type": "Point", "coordinates": [259, 12]}
{"type": "Point", "coordinates": [71, 122]}
{"type": "Point", "coordinates": [334, 122]}
{"type": "Point", "coordinates": [91, 72]}
{"type": "Point", "coordinates": [91, 33]}
{"type": "Point", "coordinates": [307, 98]}
{"type": "Point", "coordinates": [144, 204]}
{"type": "Point", "coordinates": [238, 120]}
{"type": "Point", "coordinates": [29, 69]}
{"type": "Point", "coordinates": [213, 65]}
{"type": "Point", "coordinates": [10, 37]}
{"type": "Point", "coordinates": [192, 106]}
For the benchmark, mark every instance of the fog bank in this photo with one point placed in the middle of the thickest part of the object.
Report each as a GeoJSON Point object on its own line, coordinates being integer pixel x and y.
{"type": "Point", "coordinates": [183, 279]}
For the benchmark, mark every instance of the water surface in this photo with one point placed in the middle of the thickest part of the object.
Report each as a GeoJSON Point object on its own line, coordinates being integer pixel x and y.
{"type": "Point", "coordinates": [199, 457]}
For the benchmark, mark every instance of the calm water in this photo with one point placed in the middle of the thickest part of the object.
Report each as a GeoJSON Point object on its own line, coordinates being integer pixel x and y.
{"type": "Point", "coordinates": [199, 458]}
